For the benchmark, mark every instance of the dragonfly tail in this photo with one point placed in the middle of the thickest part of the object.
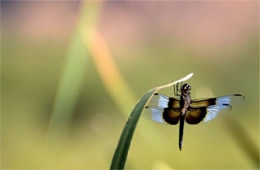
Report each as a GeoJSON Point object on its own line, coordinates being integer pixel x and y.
{"type": "Point", "coordinates": [181, 131]}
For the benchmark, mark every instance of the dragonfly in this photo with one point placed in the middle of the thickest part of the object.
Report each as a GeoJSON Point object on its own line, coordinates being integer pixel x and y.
{"type": "Point", "coordinates": [171, 111]}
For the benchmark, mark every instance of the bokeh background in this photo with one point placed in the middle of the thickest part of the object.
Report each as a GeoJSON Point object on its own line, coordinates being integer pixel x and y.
{"type": "Point", "coordinates": [71, 72]}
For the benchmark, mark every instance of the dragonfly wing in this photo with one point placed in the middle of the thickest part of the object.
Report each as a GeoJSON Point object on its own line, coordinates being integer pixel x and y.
{"type": "Point", "coordinates": [162, 115]}
{"type": "Point", "coordinates": [196, 115]}
{"type": "Point", "coordinates": [161, 105]}
{"type": "Point", "coordinates": [208, 109]}
{"type": "Point", "coordinates": [214, 110]}
{"type": "Point", "coordinates": [223, 105]}
{"type": "Point", "coordinates": [231, 100]}
{"type": "Point", "coordinates": [162, 101]}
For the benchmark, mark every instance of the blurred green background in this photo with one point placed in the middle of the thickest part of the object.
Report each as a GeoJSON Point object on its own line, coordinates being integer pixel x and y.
{"type": "Point", "coordinates": [72, 71]}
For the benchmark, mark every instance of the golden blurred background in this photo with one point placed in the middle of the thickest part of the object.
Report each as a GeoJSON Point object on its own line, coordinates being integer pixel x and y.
{"type": "Point", "coordinates": [72, 71]}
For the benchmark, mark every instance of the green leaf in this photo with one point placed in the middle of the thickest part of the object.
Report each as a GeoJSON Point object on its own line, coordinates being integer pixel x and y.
{"type": "Point", "coordinates": [121, 151]}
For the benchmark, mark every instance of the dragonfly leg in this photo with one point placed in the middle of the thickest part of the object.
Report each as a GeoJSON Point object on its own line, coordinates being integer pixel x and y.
{"type": "Point", "coordinates": [176, 90]}
{"type": "Point", "coordinates": [180, 86]}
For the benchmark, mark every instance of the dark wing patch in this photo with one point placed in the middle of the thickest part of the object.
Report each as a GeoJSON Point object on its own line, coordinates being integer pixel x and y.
{"type": "Point", "coordinates": [174, 103]}
{"type": "Point", "coordinates": [195, 115]}
{"type": "Point", "coordinates": [158, 108]}
{"type": "Point", "coordinates": [171, 115]}
{"type": "Point", "coordinates": [203, 102]}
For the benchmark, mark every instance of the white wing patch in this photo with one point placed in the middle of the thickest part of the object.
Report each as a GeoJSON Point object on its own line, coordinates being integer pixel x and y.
{"type": "Point", "coordinates": [154, 113]}
{"type": "Point", "coordinates": [159, 100]}
{"type": "Point", "coordinates": [163, 101]}
{"type": "Point", "coordinates": [231, 99]}
{"type": "Point", "coordinates": [212, 111]}
{"type": "Point", "coordinates": [156, 108]}
{"type": "Point", "coordinates": [223, 100]}
{"type": "Point", "coordinates": [157, 115]}
{"type": "Point", "coordinates": [223, 104]}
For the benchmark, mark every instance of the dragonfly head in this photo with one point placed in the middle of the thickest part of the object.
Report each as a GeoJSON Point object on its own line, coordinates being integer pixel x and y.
{"type": "Point", "coordinates": [185, 88]}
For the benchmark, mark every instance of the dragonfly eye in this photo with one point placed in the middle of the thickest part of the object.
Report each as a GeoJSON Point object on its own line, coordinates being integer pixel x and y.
{"type": "Point", "coordinates": [186, 87]}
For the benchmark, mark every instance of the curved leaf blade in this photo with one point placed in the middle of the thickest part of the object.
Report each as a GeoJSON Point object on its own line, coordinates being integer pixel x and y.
{"type": "Point", "coordinates": [121, 152]}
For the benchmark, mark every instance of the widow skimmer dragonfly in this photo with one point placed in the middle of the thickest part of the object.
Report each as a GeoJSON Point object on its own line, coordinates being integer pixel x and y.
{"type": "Point", "coordinates": [170, 110]}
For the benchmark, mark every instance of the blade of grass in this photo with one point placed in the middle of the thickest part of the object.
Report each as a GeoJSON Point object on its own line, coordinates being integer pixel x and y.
{"type": "Point", "coordinates": [121, 152]}
{"type": "Point", "coordinates": [74, 70]}
{"type": "Point", "coordinates": [73, 74]}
